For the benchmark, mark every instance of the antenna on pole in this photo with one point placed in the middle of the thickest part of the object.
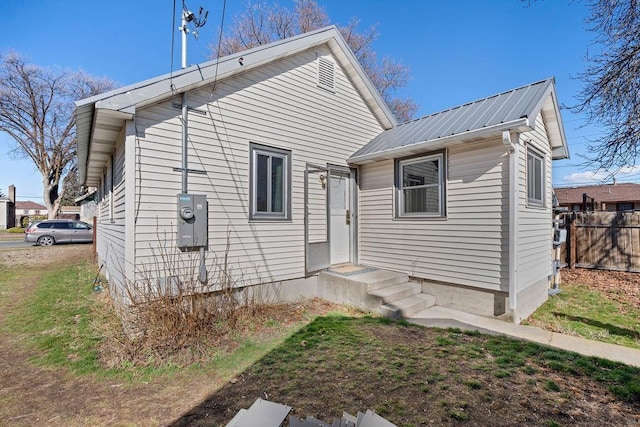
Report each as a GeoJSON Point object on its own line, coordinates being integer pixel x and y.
{"type": "Point", "coordinates": [188, 18]}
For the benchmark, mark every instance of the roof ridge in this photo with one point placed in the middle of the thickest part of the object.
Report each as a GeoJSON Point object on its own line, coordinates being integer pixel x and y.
{"type": "Point", "coordinates": [486, 98]}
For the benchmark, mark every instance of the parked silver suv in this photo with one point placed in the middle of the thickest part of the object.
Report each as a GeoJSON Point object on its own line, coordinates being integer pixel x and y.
{"type": "Point", "coordinates": [51, 231]}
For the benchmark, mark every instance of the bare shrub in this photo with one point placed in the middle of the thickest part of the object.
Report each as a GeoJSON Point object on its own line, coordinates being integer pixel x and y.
{"type": "Point", "coordinates": [172, 317]}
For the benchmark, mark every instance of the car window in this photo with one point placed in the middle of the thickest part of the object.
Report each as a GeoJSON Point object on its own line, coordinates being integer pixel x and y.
{"type": "Point", "coordinates": [61, 225]}
{"type": "Point", "coordinates": [44, 225]}
{"type": "Point", "coordinates": [81, 226]}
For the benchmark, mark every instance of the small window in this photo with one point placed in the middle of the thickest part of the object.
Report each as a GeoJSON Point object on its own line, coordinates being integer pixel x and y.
{"type": "Point", "coordinates": [326, 73]}
{"type": "Point", "coordinates": [270, 189]}
{"type": "Point", "coordinates": [535, 178]}
{"type": "Point", "coordinates": [44, 225]}
{"type": "Point", "coordinates": [421, 186]}
{"type": "Point", "coordinates": [61, 225]}
{"type": "Point", "coordinates": [624, 207]}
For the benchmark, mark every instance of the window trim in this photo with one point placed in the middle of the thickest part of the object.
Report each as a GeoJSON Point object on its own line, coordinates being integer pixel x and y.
{"type": "Point", "coordinates": [254, 151]}
{"type": "Point", "coordinates": [534, 202]}
{"type": "Point", "coordinates": [441, 157]}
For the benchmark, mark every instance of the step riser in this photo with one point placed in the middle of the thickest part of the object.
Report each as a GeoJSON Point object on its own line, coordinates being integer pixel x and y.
{"type": "Point", "coordinates": [408, 307]}
{"type": "Point", "coordinates": [399, 295]}
{"type": "Point", "coordinates": [392, 281]}
{"type": "Point", "coordinates": [397, 292]}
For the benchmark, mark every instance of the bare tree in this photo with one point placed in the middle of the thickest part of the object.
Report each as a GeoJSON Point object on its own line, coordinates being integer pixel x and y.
{"type": "Point", "coordinates": [611, 93]}
{"type": "Point", "coordinates": [263, 23]}
{"type": "Point", "coordinates": [37, 112]}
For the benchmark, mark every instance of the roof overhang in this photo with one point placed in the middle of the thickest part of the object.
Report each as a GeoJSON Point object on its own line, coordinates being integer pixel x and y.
{"type": "Point", "coordinates": [555, 128]}
{"type": "Point", "coordinates": [100, 118]}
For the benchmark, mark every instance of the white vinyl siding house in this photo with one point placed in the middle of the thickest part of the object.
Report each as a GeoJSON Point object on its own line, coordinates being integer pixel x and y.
{"type": "Point", "coordinates": [535, 243]}
{"type": "Point", "coordinates": [467, 246]}
{"type": "Point", "coordinates": [275, 109]}
{"type": "Point", "coordinates": [110, 215]}
{"type": "Point", "coordinates": [487, 249]}
{"type": "Point", "coordinates": [302, 166]}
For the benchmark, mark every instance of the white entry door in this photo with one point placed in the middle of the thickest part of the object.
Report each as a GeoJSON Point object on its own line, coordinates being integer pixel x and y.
{"type": "Point", "coordinates": [339, 215]}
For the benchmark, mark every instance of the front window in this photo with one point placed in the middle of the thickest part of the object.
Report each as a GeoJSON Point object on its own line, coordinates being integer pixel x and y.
{"type": "Point", "coordinates": [421, 186]}
{"type": "Point", "coordinates": [535, 178]}
{"type": "Point", "coordinates": [270, 183]}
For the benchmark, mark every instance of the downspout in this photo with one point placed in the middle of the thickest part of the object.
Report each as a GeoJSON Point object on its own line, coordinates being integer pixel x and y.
{"type": "Point", "coordinates": [514, 170]}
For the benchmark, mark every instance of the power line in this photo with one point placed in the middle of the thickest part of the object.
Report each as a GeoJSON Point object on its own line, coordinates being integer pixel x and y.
{"type": "Point", "coordinates": [215, 75]}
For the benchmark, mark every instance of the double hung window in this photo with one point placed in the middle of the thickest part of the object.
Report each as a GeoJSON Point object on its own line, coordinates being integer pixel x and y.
{"type": "Point", "coordinates": [270, 183]}
{"type": "Point", "coordinates": [535, 178]}
{"type": "Point", "coordinates": [420, 186]}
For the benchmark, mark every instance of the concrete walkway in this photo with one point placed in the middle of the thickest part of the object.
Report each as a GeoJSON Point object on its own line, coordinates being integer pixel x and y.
{"type": "Point", "coordinates": [448, 318]}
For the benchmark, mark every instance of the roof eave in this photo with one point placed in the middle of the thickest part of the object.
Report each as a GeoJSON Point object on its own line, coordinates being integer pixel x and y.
{"type": "Point", "coordinates": [548, 105]}
{"type": "Point", "coordinates": [519, 125]}
{"type": "Point", "coordinates": [151, 91]}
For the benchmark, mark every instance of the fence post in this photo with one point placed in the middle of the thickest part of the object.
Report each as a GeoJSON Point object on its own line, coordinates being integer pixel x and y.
{"type": "Point", "coordinates": [571, 253]}
{"type": "Point", "coordinates": [95, 234]}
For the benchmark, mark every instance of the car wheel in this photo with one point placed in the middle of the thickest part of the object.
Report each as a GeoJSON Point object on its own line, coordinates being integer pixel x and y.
{"type": "Point", "coordinates": [46, 241]}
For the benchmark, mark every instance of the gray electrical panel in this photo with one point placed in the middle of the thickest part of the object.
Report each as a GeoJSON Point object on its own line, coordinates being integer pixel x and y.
{"type": "Point", "coordinates": [193, 224]}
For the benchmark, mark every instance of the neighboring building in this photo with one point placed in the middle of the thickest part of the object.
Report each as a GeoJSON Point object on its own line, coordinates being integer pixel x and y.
{"type": "Point", "coordinates": [30, 208]}
{"type": "Point", "coordinates": [69, 212]}
{"type": "Point", "coordinates": [88, 206]}
{"type": "Point", "coordinates": [606, 197]}
{"type": "Point", "coordinates": [300, 162]}
{"type": "Point", "coordinates": [8, 209]}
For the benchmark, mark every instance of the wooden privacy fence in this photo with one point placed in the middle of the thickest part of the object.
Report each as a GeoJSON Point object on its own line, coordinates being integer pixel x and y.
{"type": "Point", "coordinates": [603, 240]}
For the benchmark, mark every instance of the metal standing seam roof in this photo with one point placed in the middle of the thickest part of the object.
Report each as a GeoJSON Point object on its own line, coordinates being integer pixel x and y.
{"type": "Point", "coordinates": [99, 118]}
{"type": "Point", "coordinates": [509, 110]}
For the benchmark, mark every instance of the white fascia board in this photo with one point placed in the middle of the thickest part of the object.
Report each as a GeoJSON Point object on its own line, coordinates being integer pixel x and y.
{"type": "Point", "coordinates": [560, 150]}
{"type": "Point", "coordinates": [548, 103]}
{"type": "Point", "coordinates": [519, 125]}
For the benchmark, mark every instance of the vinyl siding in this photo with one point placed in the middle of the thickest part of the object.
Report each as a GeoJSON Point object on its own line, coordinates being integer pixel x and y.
{"type": "Point", "coordinates": [278, 105]}
{"type": "Point", "coordinates": [534, 228]}
{"type": "Point", "coordinates": [468, 247]}
{"type": "Point", "coordinates": [111, 217]}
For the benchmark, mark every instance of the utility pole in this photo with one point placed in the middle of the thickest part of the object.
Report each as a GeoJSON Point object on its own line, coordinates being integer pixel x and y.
{"type": "Point", "coordinates": [189, 18]}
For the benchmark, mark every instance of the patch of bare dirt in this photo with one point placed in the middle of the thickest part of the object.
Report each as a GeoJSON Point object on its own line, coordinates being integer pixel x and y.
{"type": "Point", "coordinates": [619, 286]}
{"type": "Point", "coordinates": [33, 395]}
{"type": "Point", "coordinates": [37, 256]}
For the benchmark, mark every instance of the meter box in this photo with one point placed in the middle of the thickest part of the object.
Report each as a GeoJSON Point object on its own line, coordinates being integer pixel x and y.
{"type": "Point", "coordinates": [192, 221]}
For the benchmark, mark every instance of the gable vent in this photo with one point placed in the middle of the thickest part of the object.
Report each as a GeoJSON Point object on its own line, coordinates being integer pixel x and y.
{"type": "Point", "coordinates": [326, 74]}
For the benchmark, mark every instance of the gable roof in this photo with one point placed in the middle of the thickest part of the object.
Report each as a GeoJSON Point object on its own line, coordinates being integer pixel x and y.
{"type": "Point", "coordinates": [100, 118]}
{"type": "Point", "coordinates": [29, 205]}
{"type": "Point", "coordinates": [514, 110]}
{"type": "Point", "coordinates": [624, 192]}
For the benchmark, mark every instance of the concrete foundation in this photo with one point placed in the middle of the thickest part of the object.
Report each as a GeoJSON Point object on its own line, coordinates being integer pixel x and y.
{"type": "Point", "coordinates": [529, 299]}
{"type": "Point", "coordinates": [285, 291]}
{"type": "Point", "coordinates": [464, 298]}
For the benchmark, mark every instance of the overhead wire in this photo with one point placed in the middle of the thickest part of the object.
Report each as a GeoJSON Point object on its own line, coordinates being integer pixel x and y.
{"type": "Point", "coordinates": [215, 74]}
{"type": "Point", "coordinates": [173, 40]}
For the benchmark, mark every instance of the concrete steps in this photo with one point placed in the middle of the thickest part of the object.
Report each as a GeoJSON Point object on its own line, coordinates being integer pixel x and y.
{"type": "Point", "coordinates": [407, 307]}
{"type": "Point", "coordinates": [387, 292]}
{"type": "Point", "coordinates": [397, 292]}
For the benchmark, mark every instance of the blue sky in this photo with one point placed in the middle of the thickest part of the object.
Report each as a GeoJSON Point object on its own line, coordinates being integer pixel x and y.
{"type": "Point", "coordinates": [458, 51]}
